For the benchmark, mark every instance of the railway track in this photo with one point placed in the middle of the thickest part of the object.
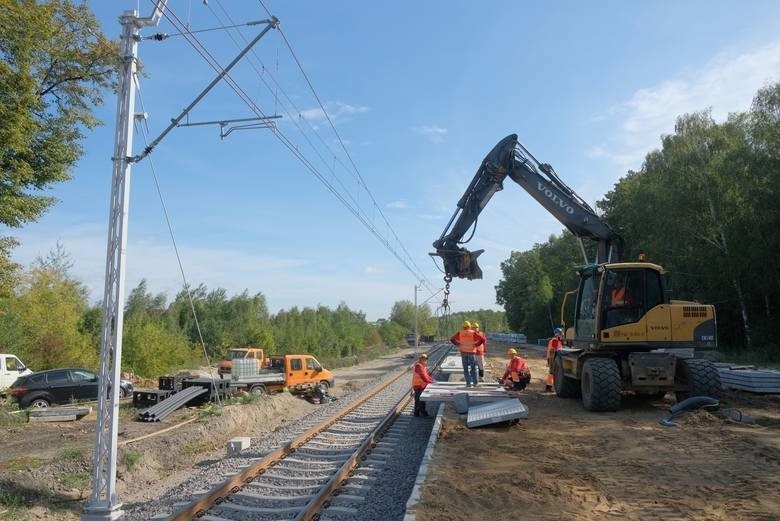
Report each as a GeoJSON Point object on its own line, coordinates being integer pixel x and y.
{"type": "Point", "coordinates": [358, 463]}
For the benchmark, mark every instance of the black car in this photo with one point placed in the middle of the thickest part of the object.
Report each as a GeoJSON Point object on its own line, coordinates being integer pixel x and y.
{"type": "Point", "coordinates": [60, 386]}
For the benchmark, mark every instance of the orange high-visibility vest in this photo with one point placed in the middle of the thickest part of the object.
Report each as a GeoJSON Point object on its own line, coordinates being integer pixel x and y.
{"type": "Point", "coordinates": [516, 366]}
{"type": "Point", "coordinates": [619, 297]}
{"type": "Point", "coordinates": [467, 341]}
{"type": "Point", "coordinates": [555, 344]}
{"type": "Point", "coordinates": [418, 382]}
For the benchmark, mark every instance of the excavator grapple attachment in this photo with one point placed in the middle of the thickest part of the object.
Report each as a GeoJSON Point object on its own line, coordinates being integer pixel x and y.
{"type": "Point", "coordinates": [461, 263]}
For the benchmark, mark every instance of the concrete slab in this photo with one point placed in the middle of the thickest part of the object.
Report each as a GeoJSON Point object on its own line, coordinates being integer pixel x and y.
{"type": "Point", "coordinates": [451, 364]}
{"type": "Point", "coordinates": [752, 380]}
{"type": "Point", "coordinates": [58, 414]}
{"type": "Point", "coordinates": [446, 391]}
{"type": "Point", "coordinates": [237, 444]}
{"type": "Point", "coordinates": [500, 411]}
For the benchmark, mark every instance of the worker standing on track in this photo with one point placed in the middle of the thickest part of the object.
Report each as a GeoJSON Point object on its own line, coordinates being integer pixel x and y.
{"type": "Point", "coordinates": [467, 343]}
{"type": "Point", "coordinates": [553, 346]}
{"type": "Point", "coordinates": [420, 380]}
{"type": "Point", "coordinates": [480, 351]}
{"type": "Point", "coordinates": [517, 374]}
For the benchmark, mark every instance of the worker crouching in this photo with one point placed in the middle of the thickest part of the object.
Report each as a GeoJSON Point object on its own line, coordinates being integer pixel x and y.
{"type": "Point", "coordinates": [420, 380]}
{"type": "Point", "coordinates": [517, 375]}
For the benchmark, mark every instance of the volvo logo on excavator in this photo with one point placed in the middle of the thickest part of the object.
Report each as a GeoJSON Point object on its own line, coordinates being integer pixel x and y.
{"type": "Point", "coordinates": [554, 198]}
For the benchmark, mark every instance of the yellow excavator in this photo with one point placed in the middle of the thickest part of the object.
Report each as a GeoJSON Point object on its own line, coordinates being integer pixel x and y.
{"type": "Point", "coordinates": [627, 334]}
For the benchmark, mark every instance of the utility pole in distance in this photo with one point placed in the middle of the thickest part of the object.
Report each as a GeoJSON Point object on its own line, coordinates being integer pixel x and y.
{"type": "Point", "coordinates": [416, 335]}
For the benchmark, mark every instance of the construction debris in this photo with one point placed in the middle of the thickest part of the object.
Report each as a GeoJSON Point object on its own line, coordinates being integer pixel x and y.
{"type": "Point", "coordinates": [58, 414]}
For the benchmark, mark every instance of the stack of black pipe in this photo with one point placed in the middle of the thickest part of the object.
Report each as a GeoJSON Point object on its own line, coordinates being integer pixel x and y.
{"type": "Point", "coordinates": [157, 412]}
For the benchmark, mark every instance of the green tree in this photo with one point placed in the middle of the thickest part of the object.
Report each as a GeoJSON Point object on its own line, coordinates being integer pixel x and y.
{"type": "Point", "coordinates": [149, 348]}
{"type": "Point", "coordinates": [55, 66]}
{"type": "Point", "coordinates": [48, 308]}
{"type": "Point", "coordinates": [403, 314]}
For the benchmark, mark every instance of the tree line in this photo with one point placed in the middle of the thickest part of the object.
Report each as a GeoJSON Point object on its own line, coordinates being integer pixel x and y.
{"type": "Point", "coordinates": [46, 319]}
{"type": "Point", "coordinates": [705, 205]}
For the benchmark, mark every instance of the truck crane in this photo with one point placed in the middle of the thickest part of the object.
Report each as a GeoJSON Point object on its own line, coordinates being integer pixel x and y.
{"type": "Point", "coordinates": [628, 335]}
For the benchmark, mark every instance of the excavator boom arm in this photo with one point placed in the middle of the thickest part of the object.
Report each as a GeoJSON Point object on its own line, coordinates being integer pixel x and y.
{"type": "Point", "coordinates": [510, 159]}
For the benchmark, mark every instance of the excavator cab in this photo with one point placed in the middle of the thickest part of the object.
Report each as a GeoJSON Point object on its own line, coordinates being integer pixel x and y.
{"type": "Point", "coordinates": [614, 300]}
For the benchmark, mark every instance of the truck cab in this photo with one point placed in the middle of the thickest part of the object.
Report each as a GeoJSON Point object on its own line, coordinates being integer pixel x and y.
{"type": "Point", "coordinates": [301, 369]}
{"type": "Point", "coordinates": [11, 368]}
{"type": "Point", "coordinates": [240, 353]}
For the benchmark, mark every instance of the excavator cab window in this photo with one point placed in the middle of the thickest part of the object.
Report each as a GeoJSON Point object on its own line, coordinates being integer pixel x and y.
{"type": "Point", "coordinates": [587, 305]}
{"type": "Point", "coordinates": [624, 296]}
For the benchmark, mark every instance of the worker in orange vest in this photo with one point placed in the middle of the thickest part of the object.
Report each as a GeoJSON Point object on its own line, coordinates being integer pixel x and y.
{"type": "Point", "coordinates": [553, 346]}
{"type": "Point", "coordinates": [420, 380]}
{"type": "Point", "coordinates": [467, 343]}
{"type": "Point", "coordinates": [480, 352]}
{"type": "Point", "coordinates": [621, 296]}
{"type": "Point", "coordinates": [517, 374]}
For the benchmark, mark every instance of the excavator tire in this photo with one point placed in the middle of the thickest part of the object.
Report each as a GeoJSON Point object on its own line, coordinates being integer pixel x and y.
{"type": "Point", "coordinates": [700, 376]}
{"type": "Point", "coordinates": [565, 386]}
{"type": "Point", "coordinates": [601, 387]}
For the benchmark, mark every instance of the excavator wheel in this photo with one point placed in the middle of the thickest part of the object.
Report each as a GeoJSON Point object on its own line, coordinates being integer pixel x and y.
{"type": "Point", "coordinates": [601, 387]}
{"type": "Point", "coordinates": [700, 376]}
{"type": "Point", "coordinates": [565, 386]}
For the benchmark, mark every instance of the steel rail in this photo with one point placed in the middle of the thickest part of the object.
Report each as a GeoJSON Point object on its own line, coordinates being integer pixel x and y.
{"type": "Point", "coordinates": [199, 507]}
{"type": "Point", "coordinates": [321, 498]}
{"type": "Point", "coordinates": [233, 485]}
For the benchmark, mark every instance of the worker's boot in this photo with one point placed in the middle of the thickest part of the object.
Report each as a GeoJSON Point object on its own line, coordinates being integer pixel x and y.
{"type": "Point", "coordinates": [548, 388]}
{"type": "Point", "coordinates": [481, 373]}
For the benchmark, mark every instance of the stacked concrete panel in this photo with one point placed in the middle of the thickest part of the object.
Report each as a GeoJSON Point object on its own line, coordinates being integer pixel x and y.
{"type": "Point", "coordinates": [749, 379]}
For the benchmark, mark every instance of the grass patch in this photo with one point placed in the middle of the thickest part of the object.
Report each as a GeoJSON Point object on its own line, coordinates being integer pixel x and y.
{"type": "Point", "coordinates": [208, 411]}
{"type": "Point", "coordinates": [131, 459]}
{"type": "Point", "coordinates": [195, 447]}
{"type": "Point", "coordinates": [79, 480]}
{"type": "Point", "coordinates": [11, 506]}
{"type": "Point", "coordinates": [243, 398]}
{"type": "Point", "coordinates": [13, 422]}
{"type": "Point", "coordinates": [127, 412]}
{"type": "Point", "coordinates": [71, 453]}
{"type": "Point", "coordinates": [25, 463]}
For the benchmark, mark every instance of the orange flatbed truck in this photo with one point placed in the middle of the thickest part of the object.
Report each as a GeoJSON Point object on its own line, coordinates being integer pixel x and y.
{"type": "Point", "coordinates": [297, 373]}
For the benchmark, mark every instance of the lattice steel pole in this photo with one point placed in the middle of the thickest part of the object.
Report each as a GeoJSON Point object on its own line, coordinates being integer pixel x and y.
{"type": "Point", "coordinates": [104, 502]}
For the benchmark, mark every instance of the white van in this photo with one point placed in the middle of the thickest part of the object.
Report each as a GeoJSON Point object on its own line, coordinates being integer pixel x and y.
{"type": "Point", "coordinates": [11, 368]}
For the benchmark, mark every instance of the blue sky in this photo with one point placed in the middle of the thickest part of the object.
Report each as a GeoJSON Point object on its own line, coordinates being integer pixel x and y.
{"type": "Point", "coordinates": [419, 92]}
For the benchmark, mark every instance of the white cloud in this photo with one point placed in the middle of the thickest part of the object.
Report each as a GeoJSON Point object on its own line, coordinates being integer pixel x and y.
{"type": "Point", "coordinates": [727, 83]}
{"type": "Point", "coordinates": [401, 203]}
{"type": "Point", "coordinates": [337, 110]}
{"type": "Point", "coordinates": [433, 133]}
{"type": "Point", "coordinates": [372, 270]}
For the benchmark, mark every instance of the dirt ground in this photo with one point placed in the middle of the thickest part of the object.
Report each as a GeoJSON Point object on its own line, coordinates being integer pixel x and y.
{"type": "Point", "coordinates": [46, 468]}
{"type": "Point", "coordinates": [561, 463]}
{"type": "Point", "coordinates": [565, 463]}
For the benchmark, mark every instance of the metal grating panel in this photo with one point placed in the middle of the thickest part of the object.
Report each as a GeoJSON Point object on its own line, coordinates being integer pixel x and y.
{"type": "Point", "coordinates": [503, 410]}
